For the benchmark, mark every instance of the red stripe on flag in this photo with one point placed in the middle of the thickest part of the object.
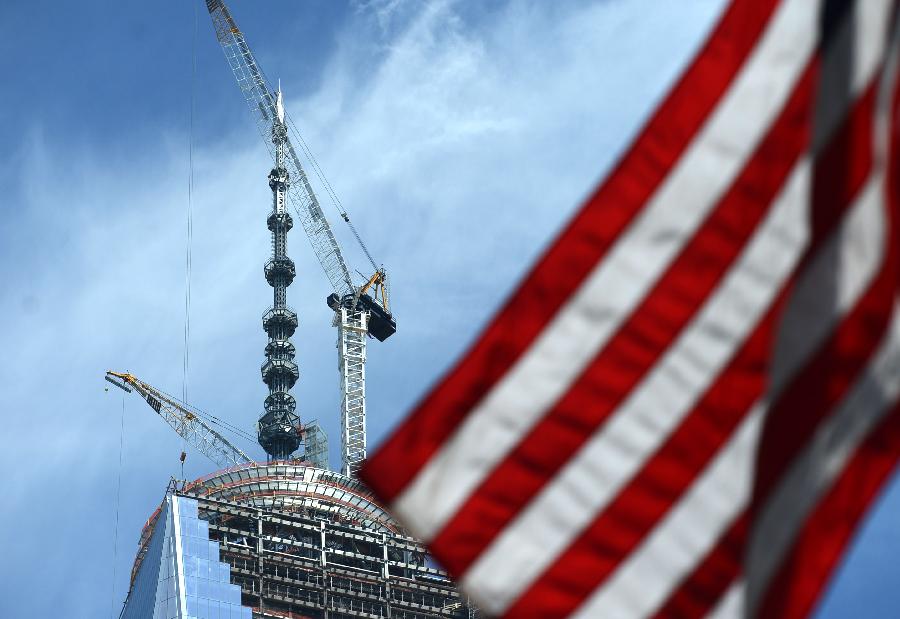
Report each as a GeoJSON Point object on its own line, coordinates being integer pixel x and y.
{"type": "Point", "coordinates": [700, 592]}
{"type": "Point", "coordinates": [797, 411]}
{"type": "Point", "coordinates": [638, 345]}
{"type": "Point", "coordinates": [583, 243]}
{"type": "Point", "coordinates": [825, 380]}
{"type": "Point", "coordinates": [638, 507]}
{"type": "Point", "coordinates": [616, 531]}
{"type": "Point", "coordinates": [820, 544]}
{"type": "Point", "coordinates": [622, 526]}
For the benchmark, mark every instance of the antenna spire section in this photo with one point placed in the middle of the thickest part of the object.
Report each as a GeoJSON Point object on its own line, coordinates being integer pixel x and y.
{"type": "Point", "coordinates": [279, 426]}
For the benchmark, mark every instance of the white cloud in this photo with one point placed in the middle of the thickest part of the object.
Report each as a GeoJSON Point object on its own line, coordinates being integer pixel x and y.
{"type": "Point", "coordinates": [460, 139]}
{"type": "Point", "coordinates": [468, 144]}
{"type": "Point", "coordinates": [385, 12]}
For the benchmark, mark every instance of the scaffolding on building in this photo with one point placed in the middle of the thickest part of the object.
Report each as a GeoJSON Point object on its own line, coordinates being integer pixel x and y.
{"type": "Point", "coordinates": [306, 543]}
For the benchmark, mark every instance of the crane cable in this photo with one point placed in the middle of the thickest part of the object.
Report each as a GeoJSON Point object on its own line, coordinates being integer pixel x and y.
{"type": "Point", "coordinates": [186, 361]}
{"type": "Point", "coordinates": [335, 200]}
{"type": "Point", "coordinates": [190, 217]}
{"type": "Point", "coordinates": [112, 601]}
{"type": "Point", "coordinates": [330, 190]}
{"type": "Point", "coordinates": [207, 417]}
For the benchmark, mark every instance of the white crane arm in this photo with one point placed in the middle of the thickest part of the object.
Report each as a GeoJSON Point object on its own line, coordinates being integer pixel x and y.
{"type": "Point", "coordinates": [259, 96]}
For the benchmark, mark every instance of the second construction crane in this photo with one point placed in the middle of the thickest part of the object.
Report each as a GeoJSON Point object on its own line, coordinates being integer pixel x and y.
{"type": "Point", "coordinates": [195, 426]}
{"type": "Point", "coordinates": [361, 310]}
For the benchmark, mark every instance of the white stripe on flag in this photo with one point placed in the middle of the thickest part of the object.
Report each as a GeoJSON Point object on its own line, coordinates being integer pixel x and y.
{"type": "Point", "coordinates": [860, 254]}
{"type": "Point", "coordinates": [688, 532]}
{"type": "Point", "coordinates": [866, 33]}
{"type": "Point", "coordinates": [583, 326]}
{"type": "Point", "coordinates": [812, 473]}
{"type": "Point", "coordinates": [872, 20]}
{"type": "Point", "coordinates": [798, 333]}
{"type": "Point", "coordinates": [656, 407]}
{"type": "Point", "coordinates": [787, 508]}
{"type": "Point", "coordinates": [531, 542]}
{"type": "Point", "coordinates": [731, 606]}
{"type": "Point", "coordinates": [697, 522]}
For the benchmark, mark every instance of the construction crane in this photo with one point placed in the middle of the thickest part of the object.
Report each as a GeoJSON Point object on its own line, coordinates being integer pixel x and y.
{"type": "Point", "coordinates": [186, 423]}
{"type": "Point", "coordinates": [360, 310]}
{"type": "Point", "coordinates": [189, 425]}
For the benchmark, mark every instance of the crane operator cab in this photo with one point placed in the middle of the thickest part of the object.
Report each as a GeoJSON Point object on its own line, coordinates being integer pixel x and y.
{"type": "Point", "coordinates": [381, 323]}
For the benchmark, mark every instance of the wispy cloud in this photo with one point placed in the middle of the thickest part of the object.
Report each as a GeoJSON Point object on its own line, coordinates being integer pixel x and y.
{"type": "Point", "coordinates": [467, 144]}
{"type": "Point", "coordinates": [384, 12]}
{"type": "Point", "coordinates": [459, 138]}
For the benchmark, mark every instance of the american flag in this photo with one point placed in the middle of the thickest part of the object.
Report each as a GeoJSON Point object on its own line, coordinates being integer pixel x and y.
{"type": "Point", "coordinates": [691, 399]}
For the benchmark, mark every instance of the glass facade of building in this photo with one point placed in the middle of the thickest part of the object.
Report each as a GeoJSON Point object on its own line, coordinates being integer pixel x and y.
{"type": "Point", "coordinates": [181, 576]}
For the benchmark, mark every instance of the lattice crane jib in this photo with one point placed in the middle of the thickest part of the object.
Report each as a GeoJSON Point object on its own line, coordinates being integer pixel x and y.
{"type": "Point", "coordinates": [358, 310]}
{"type": "Point", "coordinates": [185, 422]}
{"type": "Point", "coordinates": [261, 99]}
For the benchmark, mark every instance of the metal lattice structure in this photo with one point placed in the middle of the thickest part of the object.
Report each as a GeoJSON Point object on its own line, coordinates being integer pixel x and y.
{"type": "Point", "coordinates": [187, 423]}
{"type": "Point", "coordinates": [315, 445]}
{"type": "Point", "coordinates": [352, 332]}
{"type": "Point", "coordinates": [184, 421]}
{"type": "Point", "coordinates": [260, 98]}
{"type": "Point", "coordinates": [364, 309]}
{"type": "Point", "coordinates": [279, 427]}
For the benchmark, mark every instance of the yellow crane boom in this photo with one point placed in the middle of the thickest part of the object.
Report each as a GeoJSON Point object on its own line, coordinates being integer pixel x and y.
{"type": "Point", "coordinates": [186, 423]}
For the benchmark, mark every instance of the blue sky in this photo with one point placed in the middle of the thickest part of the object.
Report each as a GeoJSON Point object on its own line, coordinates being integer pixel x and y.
{"type": "Point", "coordinates": [460, 136]}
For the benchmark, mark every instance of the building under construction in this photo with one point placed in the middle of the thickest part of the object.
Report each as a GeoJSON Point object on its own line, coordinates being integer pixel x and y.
{"type": "Point", "coordinates": [288, 537]}
{"type": "Point", "coordinates": [283, 540]}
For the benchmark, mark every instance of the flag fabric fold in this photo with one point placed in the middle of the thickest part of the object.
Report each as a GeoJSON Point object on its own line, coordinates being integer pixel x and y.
{"type": "Point", "coordinates": [689, 402]}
